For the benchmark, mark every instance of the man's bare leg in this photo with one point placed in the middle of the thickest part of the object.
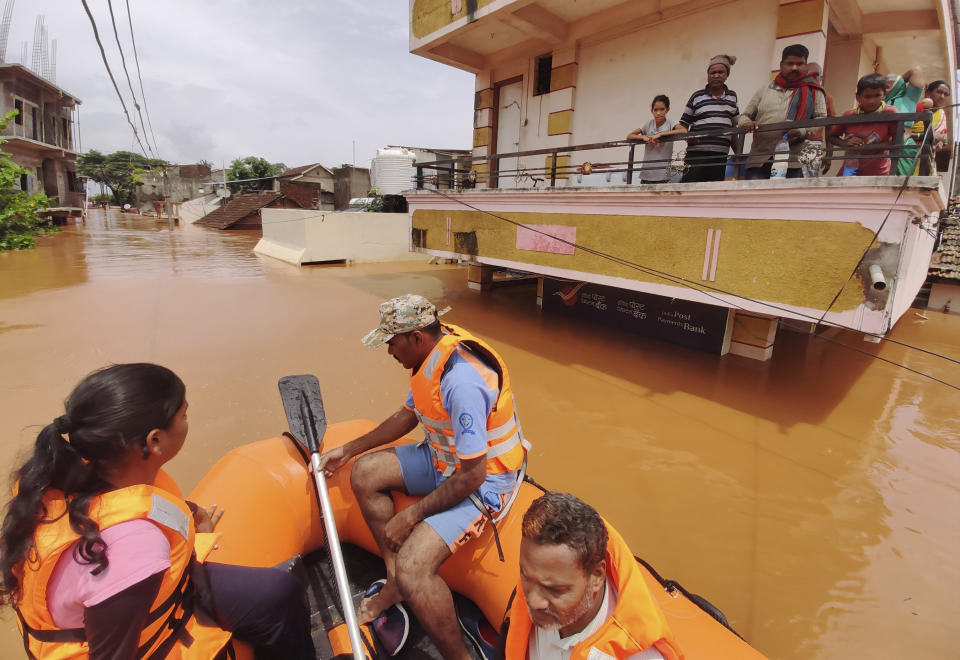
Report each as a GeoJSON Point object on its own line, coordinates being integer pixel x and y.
{"type": "Point", "coordinates": [426, 592]}
{"type": "Point", "coordinates": [372, 478]}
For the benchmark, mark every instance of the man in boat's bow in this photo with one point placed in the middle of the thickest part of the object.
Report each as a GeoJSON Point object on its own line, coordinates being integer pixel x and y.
{"type": "Point", "coordinates": [581, 595]}
{"type": "Point", "coordinates": [466, 468]}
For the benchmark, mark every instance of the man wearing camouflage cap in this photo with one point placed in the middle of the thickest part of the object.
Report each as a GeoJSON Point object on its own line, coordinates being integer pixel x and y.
{"type": "Point", "coordinates": [466, 469]}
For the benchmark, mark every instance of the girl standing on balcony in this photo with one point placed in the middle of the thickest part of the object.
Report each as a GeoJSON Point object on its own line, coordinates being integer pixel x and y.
{"type": "Point", "coordinates": [656, 155]}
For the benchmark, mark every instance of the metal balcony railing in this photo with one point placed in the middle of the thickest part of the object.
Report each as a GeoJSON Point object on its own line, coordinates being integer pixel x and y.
{"type": "Point", "coordinates": [463, 172]}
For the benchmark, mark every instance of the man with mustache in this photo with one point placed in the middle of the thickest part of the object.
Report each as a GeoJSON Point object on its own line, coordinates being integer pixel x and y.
{"type": "Point", "coordinates": [792, 96]}
{"type": "Point", "coordinates": [466, 468]}
{"type": "Point", "coordinates": [581, 595]}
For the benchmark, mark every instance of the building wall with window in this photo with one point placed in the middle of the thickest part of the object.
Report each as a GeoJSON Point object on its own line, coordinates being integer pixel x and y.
{"type": "Point", "coordinates": [41, 137]}
{"type": "Point", "coordinates": [596, 80]}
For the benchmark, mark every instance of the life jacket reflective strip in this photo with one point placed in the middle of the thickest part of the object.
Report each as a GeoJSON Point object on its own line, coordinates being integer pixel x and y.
{"type": "Point", "coordinates": [171, 629]}
{"type": "Point", "coordinates": [635, 625]}
{"type": "Point", "coordinates": [506, 446]}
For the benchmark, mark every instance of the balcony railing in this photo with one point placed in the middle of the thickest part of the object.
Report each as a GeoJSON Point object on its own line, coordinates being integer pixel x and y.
{"type": "Point", "coordinates": [463, 172]}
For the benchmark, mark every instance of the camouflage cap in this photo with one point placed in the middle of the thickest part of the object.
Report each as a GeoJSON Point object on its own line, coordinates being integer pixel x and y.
{"type": "Point", "coordinates": [402, 314]}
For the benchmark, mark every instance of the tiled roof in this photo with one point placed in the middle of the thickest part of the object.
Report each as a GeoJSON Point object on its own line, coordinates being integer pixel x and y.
{"type": "Point", "coordinates": [237, 209]}
{"type": "Point", "coordinates": [297, 171]}
{"type": "Point", "coordinates": [946, 262]}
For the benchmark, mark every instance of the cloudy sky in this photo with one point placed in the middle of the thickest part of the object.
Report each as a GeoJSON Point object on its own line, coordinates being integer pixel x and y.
{"type": "Point", "coordinates": [294, 81]}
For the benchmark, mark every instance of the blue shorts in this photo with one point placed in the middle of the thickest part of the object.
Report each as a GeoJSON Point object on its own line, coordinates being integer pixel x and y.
{"type": "Point", "coordinates": [463, 521]}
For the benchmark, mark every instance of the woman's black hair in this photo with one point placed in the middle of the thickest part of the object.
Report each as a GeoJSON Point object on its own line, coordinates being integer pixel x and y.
{"type": "Point", "coordinates": [663, 98]}
{"type": "Point", "coordinates": [108, 414]}
{"type": "Point", "coordinates": [936, 83]}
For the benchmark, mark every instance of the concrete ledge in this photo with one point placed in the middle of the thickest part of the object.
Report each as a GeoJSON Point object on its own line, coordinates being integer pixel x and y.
{"type": "Point", "coordinates": [303, 236]}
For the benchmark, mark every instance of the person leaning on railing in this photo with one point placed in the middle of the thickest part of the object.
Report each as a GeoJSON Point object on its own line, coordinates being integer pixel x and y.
{"type": "Point", "coordinates": [935, 98]}
{"type": "Point", "coordinates": [793, 95]}
{"type": "Point", "coordinates": [713, 107]}
{"type": "Point", "coordinates": [870, 91]}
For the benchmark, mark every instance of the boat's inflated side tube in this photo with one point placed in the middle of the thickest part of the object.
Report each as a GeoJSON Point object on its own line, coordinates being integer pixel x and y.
{"type": "Point", "coordinates": [271, 514]}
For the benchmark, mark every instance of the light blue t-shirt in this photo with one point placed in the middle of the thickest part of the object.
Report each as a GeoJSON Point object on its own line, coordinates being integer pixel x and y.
{"type": "Point", "coordinates": [468, 399]}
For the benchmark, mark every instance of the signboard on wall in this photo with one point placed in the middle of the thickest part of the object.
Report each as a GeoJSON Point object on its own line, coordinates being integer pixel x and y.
{"type": "Point", "coordinates": [678, 321]}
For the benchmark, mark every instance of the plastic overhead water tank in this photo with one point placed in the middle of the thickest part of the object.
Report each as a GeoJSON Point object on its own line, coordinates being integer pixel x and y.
{"type": "Point", "coordinates": [392, 171]}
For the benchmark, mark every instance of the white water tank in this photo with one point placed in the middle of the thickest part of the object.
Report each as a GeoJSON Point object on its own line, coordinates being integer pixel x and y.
{"type": "Point", "coordinates": [392, 171]}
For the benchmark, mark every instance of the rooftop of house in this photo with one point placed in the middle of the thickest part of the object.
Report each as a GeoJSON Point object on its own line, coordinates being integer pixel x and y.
{"type": "Point", "coordinates": [303, 169]}
{"type": "Point", "coordinates": [14, 70]}
{"type": "Point", "coordinates": [237, 208]}
{"type": "Point", "coordinates": [946, 260]}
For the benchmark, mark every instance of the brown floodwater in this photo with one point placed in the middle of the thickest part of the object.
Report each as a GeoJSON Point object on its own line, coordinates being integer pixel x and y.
{"type": "Point", "coordinates": [813, 498]}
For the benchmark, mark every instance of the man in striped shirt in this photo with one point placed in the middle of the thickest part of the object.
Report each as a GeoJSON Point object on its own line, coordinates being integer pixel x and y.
{"type": "Point", "coordinates": [713, 107]}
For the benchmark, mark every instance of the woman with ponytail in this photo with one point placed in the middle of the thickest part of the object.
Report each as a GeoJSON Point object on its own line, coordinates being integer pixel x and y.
{"type": "Point", "coordinates": [100, 555]}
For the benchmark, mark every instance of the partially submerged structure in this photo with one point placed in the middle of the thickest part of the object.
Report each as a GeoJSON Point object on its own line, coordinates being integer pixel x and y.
{"type": "Point", "coordinates": [244, 211]}
{"type": "Point", "coordinates": [312, 186]}
{"type": "Point", "coordinates": [711, 265]}
{"type": "Point", "coordinates": [41, 136]}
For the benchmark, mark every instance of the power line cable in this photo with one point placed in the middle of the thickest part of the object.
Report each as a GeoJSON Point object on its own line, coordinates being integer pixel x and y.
{"type": "Point", "coordinates": [143, 95]}
{"type": "Point", "coordinates": [103, 54]}
{"type": "Point", "coordinates": [876, 234]}
{"type": "Point", "coordinates": [699, 286]}
{"type": "Point", "coordinates": [123, 60]}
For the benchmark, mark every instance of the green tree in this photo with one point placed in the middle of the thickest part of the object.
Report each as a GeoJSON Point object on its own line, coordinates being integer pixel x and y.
{"type": "Point", "coordinates": [20, 218]}
{"type": "Point", "coordinates": [253, 167]}
{"type": "Point", "coordinates": [121, 171]}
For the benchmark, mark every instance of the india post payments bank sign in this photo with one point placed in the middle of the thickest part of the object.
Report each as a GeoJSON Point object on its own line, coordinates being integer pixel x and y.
{"type": "Point", "coordinates": [678, 321]}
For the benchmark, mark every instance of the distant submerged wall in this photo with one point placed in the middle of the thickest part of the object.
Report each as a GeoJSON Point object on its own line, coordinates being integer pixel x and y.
{"type": "Point", "coordinates": [301, 236]}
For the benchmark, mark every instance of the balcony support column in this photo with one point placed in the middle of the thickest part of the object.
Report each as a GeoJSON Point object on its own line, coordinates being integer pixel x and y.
{"type": "Point", "coordinates": [753, 335]}
{"type": "Point", "coordinates": [480, 277]}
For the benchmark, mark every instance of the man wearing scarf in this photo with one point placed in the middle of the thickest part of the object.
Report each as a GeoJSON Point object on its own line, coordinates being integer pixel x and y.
{"type": "Point", "coordinates": [792, 96]}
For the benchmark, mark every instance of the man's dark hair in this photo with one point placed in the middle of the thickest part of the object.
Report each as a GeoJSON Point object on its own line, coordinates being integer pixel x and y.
{"type": "Point", "coordinates": [663, 98]}
{"type": "Point", "coordinates": [872, 81]}
{"type": "Point", "coordinates": [795, 50]}
{"type": "Point", "coordinates": [562, 519]}
{"type": "Point", "coordinates": [936, 83]}
{"type": "Point", "coordinates": [434, 329]}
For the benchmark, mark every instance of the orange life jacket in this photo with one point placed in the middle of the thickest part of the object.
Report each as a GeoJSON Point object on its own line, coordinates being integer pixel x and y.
{"type": "Point", "coordinates": [172, 629]}
{"type": "Point", "coordinates": [635, 625]}
{"type": "Point", "coordinates": [506, 446]}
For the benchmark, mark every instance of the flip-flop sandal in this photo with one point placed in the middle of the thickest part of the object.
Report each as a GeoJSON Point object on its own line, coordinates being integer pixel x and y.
{"type": "Point", "coordinates": [392, 625]}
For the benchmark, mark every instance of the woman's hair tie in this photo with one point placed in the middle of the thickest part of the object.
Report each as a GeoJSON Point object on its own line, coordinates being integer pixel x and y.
{"type": "Point", "coordinates": [63, 424]}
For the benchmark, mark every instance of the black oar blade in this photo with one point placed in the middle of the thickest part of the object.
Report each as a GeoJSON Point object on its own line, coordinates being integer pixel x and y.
{"type": "Point", "coordinates": [303, 406]}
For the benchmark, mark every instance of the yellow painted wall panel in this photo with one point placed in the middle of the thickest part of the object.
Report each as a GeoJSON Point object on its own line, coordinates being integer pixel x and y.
{"type": "Point", "coordinates": [428, 16]}
{"type": "Point", "coordinates": [481, 136]}
{"type": "Point", "coordinates": [562, 163]}
{"type": "Point", "coordinates": [790, 262]}
{"type": "Point", "coordinates": [483, 99]}
{"type": "Point", "coordinates": [559, 123]}
{"type": "Point", "coordinates": [563, 77]}
{"type": "Point", "coordinates": [800, 17]}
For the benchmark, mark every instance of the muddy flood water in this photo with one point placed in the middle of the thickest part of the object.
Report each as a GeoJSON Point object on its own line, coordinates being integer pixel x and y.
{"type": "Point", "coordinates": [814, 498]}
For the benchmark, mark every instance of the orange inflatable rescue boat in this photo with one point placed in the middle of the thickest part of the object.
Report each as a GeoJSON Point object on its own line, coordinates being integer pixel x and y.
{"type": "Point", "coordinates": [273, 518]}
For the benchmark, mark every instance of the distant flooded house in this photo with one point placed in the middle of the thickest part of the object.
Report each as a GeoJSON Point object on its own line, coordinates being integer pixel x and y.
{"type": "Point", "coordinates": [244, 211]}
{"type": "Point", "coordinates": [41, 137]}
{"type": "Point", "coordinates": [553, 188]}
{"type": "Point", "coordinates": [172, 183]}
{"type": "Point", "coordinates": [311, 185]}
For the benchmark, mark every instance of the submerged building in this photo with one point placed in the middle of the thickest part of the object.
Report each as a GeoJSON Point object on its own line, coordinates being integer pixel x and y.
{"type": "Point", "coordinates": [40, 137]}
{"type": "Point", "coordinates": [551, 187]}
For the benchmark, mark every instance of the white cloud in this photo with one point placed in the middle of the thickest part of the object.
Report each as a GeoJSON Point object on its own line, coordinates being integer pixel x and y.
{"type": "Point", "coordinates": [296, 81]}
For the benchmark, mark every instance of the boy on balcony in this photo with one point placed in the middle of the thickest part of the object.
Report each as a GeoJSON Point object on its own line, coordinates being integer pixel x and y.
{"type": "Point", "coordinates": [870, 92]}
